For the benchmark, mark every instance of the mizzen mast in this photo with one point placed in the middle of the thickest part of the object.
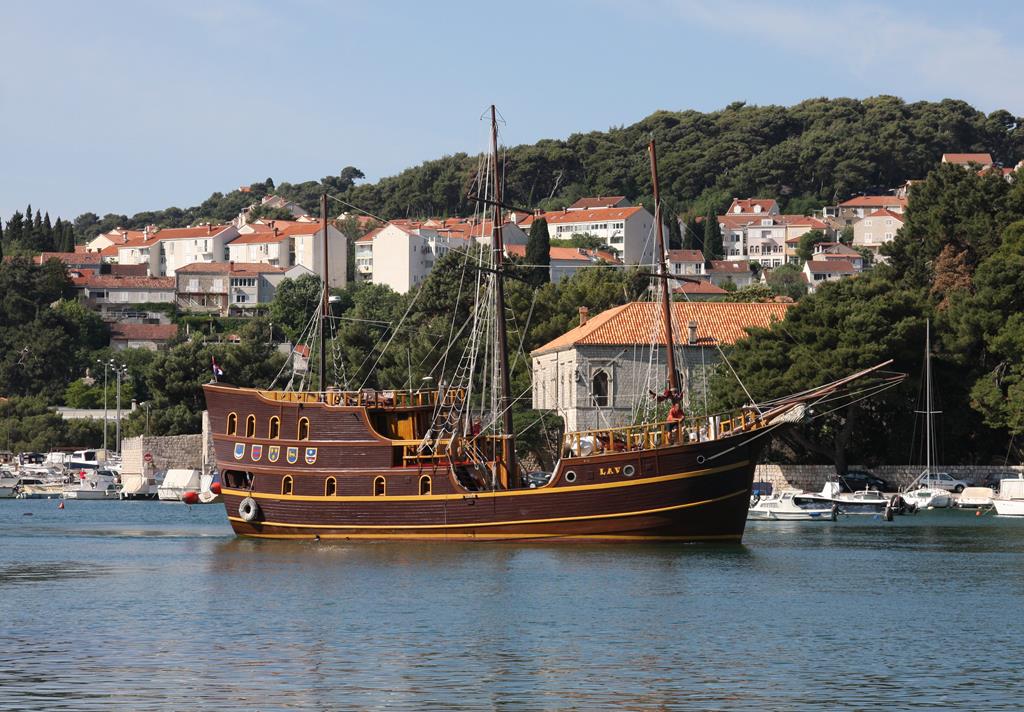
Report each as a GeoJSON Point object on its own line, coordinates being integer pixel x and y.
{"type": "Point", "coordinates": [325, 307]}
{"type": "Point", "coordinates": [663, 275]}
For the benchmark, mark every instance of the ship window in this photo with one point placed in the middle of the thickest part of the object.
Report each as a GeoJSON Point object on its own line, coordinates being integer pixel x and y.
{"type": "Point", "coordinates": [275, 428]}
{"type": "Point", "coordinates": [425, 484]}
{"type": "Point", "coordinates": [250, 426]}
{"type": "Point", "coordinates": [599, 389]}
{"type": "Point", "coordinates": [232, 426]}
{"type": "Point", "coordinates": [330, 487]}
{"type": "Point", "coordinates": [303, 428]}
{"type": "Point", "coordinates": [286, 485]}
{"type": "Point", "coordinates": [380, 488]}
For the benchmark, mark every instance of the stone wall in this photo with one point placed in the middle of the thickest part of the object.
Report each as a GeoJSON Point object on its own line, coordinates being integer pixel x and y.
{"type": "Point", "coordinates": [813, 477]}
{"type": "Point", "coordinates": [169, 451]}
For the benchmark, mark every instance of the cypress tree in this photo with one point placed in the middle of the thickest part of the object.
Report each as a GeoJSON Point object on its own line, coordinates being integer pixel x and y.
{"type": "Point", "coordinates": [693, 234]}
{"type": "Point", "coordinates": [675, 235]}
{"type": "Point", "coordinates": [1, 240]}
{"type": "Point", "coordinates": [68, 237]}
{"type": "Point", "coordinates": [46, 240]}
{"type": "Point", "coordinates": [538, 252]}
{"type": "Point", "coordinates": [15, 229]}
{"type": "Point", "coordinates": [712, 238]}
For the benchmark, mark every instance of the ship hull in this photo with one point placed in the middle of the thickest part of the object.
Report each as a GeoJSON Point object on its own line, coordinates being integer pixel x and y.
{"type": "Point", "coordinates": [690, 491]}
{"type": "Point", "coordinates": [704, 504]}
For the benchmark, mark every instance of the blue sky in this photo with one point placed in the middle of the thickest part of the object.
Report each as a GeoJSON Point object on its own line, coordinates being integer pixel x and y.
{"type": "Point", "coordinates": [116, 106]}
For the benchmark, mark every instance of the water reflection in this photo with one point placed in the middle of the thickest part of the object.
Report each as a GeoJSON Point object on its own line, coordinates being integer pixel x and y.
{"type": "Point", "coordinates": [162, 608]}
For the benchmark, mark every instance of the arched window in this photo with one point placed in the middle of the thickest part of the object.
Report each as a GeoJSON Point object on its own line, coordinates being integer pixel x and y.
{"type": "Point", "coordinates": [232, 427]}
{"type": "Point", "coordinates": [599, 389]}
{"type": "Point", "coordinates": [250, 426]}
{"type": "Point", "coordinates": [274, 432]}
{"type": "Point", "coordinates": [303, 428]}
{"type": "Point", "coordinates": [380, 488]}
{"type": "Point", "coordinates": [286, 485]}
{"type": "Point", "coordinates": [425, 484]}
{"type": "Point", "coordinates": [330, 487]}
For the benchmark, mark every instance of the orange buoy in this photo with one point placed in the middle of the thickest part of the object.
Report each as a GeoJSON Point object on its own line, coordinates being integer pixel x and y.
{"type": "Point", "coordinates": [215, 488]}
{"type": "Point", "coordinates": [977, 512]}
{"type": "Point", "coordinates": [190, 497]}
{"type": "Point", "coordinates": [60, 506]}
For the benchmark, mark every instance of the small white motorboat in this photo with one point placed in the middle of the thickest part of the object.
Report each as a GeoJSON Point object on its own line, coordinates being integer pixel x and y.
{"type": "Point", "coordinates": [976, 498]}
{"type": "Point", "coordinates": [1010, 500]}
{"type": "Point", "coordinates": [93, 484]}
{"type": "Point", "coordinates": [790, 506]}
{"type": "Point", "coordinates": [928, 498]}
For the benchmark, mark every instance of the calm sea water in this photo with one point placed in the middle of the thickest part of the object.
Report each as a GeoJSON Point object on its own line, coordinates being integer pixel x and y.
{"type": "Point", "coordinates": [151, 606]}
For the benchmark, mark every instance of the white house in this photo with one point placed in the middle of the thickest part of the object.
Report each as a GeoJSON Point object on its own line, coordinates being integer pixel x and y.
{"type": "Point", "coordinates": [227, 287]}
{"type": "Point", "coordinates": [876, 229]}
{"type": "Point", "coordinates": [689, 263]}
{"type": "Point", "coordinates": [817, 272]}
{"type": "Point", "coordinates": [402, 255]}
{"type": "Point", "coordinates": [107, 291]}
{"type": "Point", "coordinates": [627, 230]}
{"type": "Point", "coordinates": [164, 251]}
{"type": "Point", "coordinates": [722, 272]}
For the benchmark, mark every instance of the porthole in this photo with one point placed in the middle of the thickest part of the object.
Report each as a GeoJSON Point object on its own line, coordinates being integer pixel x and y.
{"type": "Point", "coordinates": [628, 470]}
{"type": "Point", "coordinates": [700, 459]}
{"type": "Point", "coordinates": [570, 476]}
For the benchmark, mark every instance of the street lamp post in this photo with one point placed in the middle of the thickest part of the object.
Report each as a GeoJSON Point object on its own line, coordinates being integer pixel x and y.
{"type": "Point", "coordinates": [119, 371]}
{"type": "Point", "coordinates": [105, 366]}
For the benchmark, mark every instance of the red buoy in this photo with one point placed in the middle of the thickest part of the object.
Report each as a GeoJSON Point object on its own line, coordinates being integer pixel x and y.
{"type": "Point", "coordinates": [215, 488]}
{"type": "Point", "coordinates": [190, 497]}
{"type": "Point", "coordinates": [60, 506]}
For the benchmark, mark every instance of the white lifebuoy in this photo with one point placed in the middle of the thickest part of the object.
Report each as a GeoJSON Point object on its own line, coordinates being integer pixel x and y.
{"type": "Point", "coordinates": [248, 509]}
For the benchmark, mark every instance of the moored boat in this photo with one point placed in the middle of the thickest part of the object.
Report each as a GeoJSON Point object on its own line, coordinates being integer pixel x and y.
{"type": "Point", "coordinates": [1010, 500]}
{"type": "Point", "coordinates": [407, 464]}
{"type": "Point", "coordinates": [790, 505]}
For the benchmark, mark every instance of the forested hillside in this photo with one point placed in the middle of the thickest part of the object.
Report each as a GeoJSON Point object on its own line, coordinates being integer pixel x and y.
{"type": "Point", "coordinates": [817, 151]}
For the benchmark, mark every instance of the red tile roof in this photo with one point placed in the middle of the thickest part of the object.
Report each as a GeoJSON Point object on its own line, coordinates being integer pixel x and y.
{"type": "Point", "coordinates": [730, 266]}
{"type": "Point", "coordinates": [229, 268]}
{"type": "Point", "coordinates": [69, 258]}
{"type": "Point", "coordinates": [260, 237]}
{"type": "Point", "coordinates": [630, 324]}
{"type": "Point", "coordinates": [368, 237]}
{"type": "Point", "coordinates": [567, 254]}
{"type": "Point", "coordinates": [746, 205]}
{"type": "Point", "coordinates": [601, 201]}
{"type": "Point", "coordinates": [111, 281]}
{"type": "Point", "coordinates": [595, 214]}
{"type": "Point", "coordinates": [143, 332]}
{"type": "Point", "coordinates": [874, 201]}
{"type": "Point", "coordinates": [964, 158]}
{"type": "Point", "coordinates": [685, 256]}
{"type": "Point", "coordinates": [129, 270]}
{"type": "Point", "coordinates": [834, 266]}
{"type": "Point", "coordinates": [887, 214]}
{"type": "Point", "coordinates": [701, 287]}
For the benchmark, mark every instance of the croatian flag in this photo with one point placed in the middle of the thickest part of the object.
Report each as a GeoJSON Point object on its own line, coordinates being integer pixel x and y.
{"type": "Point", "coordinates": [217, 370]}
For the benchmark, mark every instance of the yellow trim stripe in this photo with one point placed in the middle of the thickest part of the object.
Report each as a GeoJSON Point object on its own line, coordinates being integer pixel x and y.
{"type": "Point", "coordinates": [514, 522]}
{"type": "Point", "coordinates": [486, 495]}
{"type": "Point", "coordinates": [504, 537]}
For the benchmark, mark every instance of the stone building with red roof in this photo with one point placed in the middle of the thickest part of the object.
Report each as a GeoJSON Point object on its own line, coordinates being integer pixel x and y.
{"type": "Point", "coordinates": [598, 374]}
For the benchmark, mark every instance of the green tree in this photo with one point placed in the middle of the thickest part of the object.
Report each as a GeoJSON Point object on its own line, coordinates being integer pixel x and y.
{"type": "Point", "coordinates": [693, 234]}
{"type": "Point", "coordinates": [538, 253]}
{"type": "Point", "coordinates": [675, 234]}
{"type": "Point", "coordinates": [805, 248]}
{"type": "Point", "coordinates": [713, 249]}
{"type": "Point", "coordinates": [294, 304]}
{"type": "Point", "coordinates": [787, 280]}
{"type": "Point", "coordinates": [846, 236]}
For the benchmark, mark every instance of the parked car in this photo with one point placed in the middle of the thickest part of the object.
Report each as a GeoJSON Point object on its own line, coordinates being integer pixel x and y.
{"type": "Point", "coordinates": [857, 480]}
{"type": "Point", "coordinates": [946, 481]}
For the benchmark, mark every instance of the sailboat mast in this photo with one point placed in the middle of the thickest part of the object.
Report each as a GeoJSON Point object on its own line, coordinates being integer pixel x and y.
{"type": "Point", "coordinates": [666, 302]}
{"type": "Point", "coordinates": [504, 401]}
{"type": "Point", "coordinates": [326, 305]}
{"type": "Point", "coordinates": [928, 396]}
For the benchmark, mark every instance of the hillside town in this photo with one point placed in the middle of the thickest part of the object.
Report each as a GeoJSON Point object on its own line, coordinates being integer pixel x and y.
{"type": "Point", "coordinates": [132, 277]}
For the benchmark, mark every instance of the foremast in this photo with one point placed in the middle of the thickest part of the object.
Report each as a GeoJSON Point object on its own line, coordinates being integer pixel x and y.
{"type": "Point", "coordinates": [508, 470]}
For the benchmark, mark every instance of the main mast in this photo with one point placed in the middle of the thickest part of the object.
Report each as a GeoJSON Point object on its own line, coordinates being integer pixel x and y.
{"type": "Point", "coordinates": [326, 305]}
{"type": "Point", "coordinates": [666, 301]}
{"type": "Point", "coordinates": [504, 400]}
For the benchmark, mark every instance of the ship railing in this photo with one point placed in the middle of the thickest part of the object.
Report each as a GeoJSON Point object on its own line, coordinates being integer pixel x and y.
{"type": "Point", "coordinates": [369, 397]}
{"type": "Point", "coordinates": [650, 436]}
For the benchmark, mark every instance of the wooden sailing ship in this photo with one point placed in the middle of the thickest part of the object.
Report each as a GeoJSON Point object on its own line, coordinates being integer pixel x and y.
{"type": "Point", "coordinates": [375, 464]}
